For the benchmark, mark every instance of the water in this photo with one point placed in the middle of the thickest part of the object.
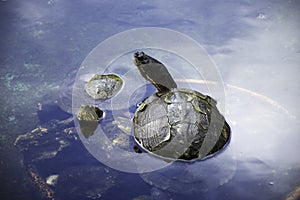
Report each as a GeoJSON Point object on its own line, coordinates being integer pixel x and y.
{"type": "Point", "coordinates": [254, 44]}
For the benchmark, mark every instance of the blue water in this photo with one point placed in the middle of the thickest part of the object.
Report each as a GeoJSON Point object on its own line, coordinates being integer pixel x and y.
{"type": "Point", "coordinates": [254, 44]}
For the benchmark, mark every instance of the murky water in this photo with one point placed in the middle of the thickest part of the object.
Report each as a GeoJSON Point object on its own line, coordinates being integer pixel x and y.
{"type": "Point", "coordinates": [255, 46]}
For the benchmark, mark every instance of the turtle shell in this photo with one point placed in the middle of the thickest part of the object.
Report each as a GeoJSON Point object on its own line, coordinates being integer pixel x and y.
{"type": "Point", "coordinates": [175, 124]}
{"type": "Point", "coordinates": [103, 86]}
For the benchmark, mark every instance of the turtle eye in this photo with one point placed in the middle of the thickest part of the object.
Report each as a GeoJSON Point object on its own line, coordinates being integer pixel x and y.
{"type": "Point", "coordinates": [141, 57]}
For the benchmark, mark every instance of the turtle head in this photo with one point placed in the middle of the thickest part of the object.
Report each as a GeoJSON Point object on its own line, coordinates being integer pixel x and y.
{"type": "Point", "coordinates": [154, 71]}
{"type": "Point", "coordinates": [140, 58]}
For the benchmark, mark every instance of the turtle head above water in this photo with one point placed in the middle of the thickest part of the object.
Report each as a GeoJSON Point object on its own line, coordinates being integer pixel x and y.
{"type": "Point", "coordinates": [154, 71]}
{"type": "Point", "coordinates": [140, 58]}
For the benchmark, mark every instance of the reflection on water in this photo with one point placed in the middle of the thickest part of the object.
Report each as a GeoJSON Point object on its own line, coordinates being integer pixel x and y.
{"type": "Point", "coordinates": [254, 44]}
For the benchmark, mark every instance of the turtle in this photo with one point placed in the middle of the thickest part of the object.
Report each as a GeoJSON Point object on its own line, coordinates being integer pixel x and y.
{"type": "Point", "coordinates": [99, 87]}
{"type": "Point", "coordinates": [174, 123]}
{"type": "Point", "coordinates": [89, 117]}
{"type": "Point", "coordinates": [103, 86]}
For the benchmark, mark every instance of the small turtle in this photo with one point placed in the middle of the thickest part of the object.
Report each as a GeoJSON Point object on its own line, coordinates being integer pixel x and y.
{"type": "Point", "coordinates": [174, 123]}
{"type": "Point", "coordinates": [103, 86]}
{"type": "Point", "coordinates": [88, 117]}
{"type": "Point", "coordinates": [100, 87]}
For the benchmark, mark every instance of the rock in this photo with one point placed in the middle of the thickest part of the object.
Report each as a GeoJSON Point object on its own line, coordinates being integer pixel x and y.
{"type": "Point", "coordinates": [46, 140]}
{"type": "Point", "coordinates": [52, 179]}
{"type": "Point", "coordinates": [50, 153]}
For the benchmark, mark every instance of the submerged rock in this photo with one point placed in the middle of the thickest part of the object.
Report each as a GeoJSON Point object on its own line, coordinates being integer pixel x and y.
{"type": "Point", "coordinates": [85, 182]}
{"type": "Point", "coordinates": [52, 179]}
{"type": "Point", "coordinates": [46, 140]}
{"type": "Point", "coordinates": [50, 155]}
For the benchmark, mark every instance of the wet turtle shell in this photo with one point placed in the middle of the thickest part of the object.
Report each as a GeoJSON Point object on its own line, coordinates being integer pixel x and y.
{"type": "Point", "coordinates": [103, 86]}
{"type": "Point", "coordinates": [176, 123]}
{"type": "Point", "coordinates": [88, 117]}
